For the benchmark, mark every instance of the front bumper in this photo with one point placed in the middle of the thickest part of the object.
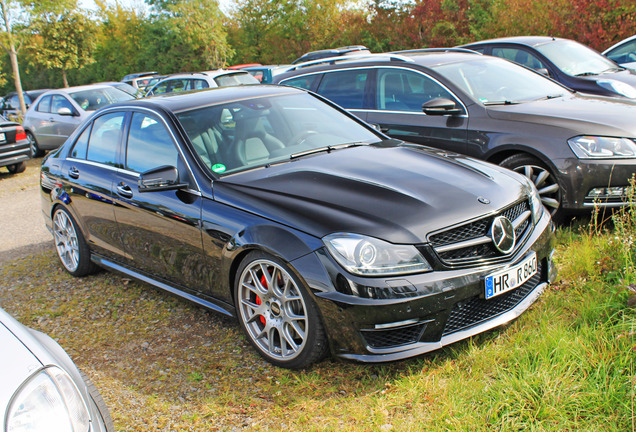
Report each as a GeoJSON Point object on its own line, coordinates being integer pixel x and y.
{"type": "Point", "coordinates": [595, 182]}
{"type": "Point", "coordinates": [406, 316]}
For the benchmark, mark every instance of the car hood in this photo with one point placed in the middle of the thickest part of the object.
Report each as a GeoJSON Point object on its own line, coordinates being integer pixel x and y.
{"type": "Point", "coordinates": [580, 115]}
{"type": "Point", "coordinates": [627, 76]}
{"type": "Point", "coordinates": [399, 194]}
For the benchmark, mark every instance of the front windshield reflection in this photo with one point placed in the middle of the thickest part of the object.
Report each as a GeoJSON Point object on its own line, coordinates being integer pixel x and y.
{"type": "Point", "coordinates": [491, 80]}
{"type": "Point", "coordinates": [250, 133]}
{"type": "Point", "coordinates": [576, 59]}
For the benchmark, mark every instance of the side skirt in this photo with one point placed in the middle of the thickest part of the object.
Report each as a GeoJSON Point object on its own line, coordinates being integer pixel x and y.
{"type": "Point", "coordinates": [221, 307]}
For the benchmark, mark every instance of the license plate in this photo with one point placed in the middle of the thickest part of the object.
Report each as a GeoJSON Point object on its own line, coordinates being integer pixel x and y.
{"type": "Point", "coordinates": [2, 137]}
{"type": "Point", "coordinates": [506, 280]}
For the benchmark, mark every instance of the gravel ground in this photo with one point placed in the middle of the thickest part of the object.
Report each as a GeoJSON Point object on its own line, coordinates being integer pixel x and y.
{"type": "Point", "coordinates": [22, 230]}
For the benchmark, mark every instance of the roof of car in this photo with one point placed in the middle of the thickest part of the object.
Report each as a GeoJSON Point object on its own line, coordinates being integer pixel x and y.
{"type": "Point", "coordinates": [523, 40]}
{"type": "Point", "coordinates": [70, 90]}
{"type": "Point", "coordinates": [181, 101]}
{"type": "Point", "coordinates": [427, 58]}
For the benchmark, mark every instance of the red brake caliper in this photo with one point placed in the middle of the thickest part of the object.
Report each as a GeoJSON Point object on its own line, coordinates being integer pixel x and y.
{"type": "Point", "coordinates": [258, 299]}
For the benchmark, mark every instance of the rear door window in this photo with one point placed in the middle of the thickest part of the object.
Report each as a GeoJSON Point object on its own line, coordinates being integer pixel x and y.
{"type": "Point", "coordinates": [105, 138]}
{"type": "Point", "coordinates": [307, 82]}
{"type": "Point", "coordinates": [345, 88]}
{"type": "Point", "coordinates": [44, 105]}
{"type": "Point", "coordinates": [520, 56]}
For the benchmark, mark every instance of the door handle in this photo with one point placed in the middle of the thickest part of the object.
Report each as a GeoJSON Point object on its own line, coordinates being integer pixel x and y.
{"type": "Point", "coordinates": [124, 190]}
{"type": "Point", "coordinates": [73, 172]}
{"type": "Point", "coordinates": [52, 120]}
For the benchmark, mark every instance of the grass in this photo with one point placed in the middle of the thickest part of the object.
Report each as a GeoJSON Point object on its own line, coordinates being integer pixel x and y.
{"type": "Point", "coordinates": [161, 363]}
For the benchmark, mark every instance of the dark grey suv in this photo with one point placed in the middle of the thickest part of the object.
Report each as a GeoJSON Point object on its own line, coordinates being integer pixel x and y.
{"type": "Point", "coordinates": [580, 151]}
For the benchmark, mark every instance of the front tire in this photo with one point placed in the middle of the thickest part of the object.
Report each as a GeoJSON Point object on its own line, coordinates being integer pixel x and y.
{"type": "Point", "coordinates": [276, 312]}
{"type": "Point", "coordinates": [35, 150]}
{"type": "Point", "coordinates": [70, 244]}
{"type": "Point", "coordinates": [546, 183]}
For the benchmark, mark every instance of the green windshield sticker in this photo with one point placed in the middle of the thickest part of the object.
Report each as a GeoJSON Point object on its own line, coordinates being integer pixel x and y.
{"type": "Point", "coordinates": [218, 168]}
{"type": "Point", "coordinates": [483, 100]}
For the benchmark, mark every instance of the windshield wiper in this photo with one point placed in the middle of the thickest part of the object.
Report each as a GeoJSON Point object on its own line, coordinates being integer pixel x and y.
{"type": "Point", "coordinates": [504, 102]}
{"type": "Point", "coordinates": [327, 149]}
{"type": "Point", "coordinates": [587, 74]}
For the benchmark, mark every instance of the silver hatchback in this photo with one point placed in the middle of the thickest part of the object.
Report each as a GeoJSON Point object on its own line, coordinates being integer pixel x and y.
{"type": "Point", "coordinates": [55, 114]}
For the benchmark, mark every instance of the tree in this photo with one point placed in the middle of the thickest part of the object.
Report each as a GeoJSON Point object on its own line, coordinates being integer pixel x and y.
{"type": "Point", "coordinates": [15, 15]}
{"type": "Point", "coordinates": [198, 26]}
{"type": "Point", "coordinates": [64, 41]}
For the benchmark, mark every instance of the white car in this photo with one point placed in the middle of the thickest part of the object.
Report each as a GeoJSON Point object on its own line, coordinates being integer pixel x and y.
{"type": "Point", "coordinates": [623, 53]}
{"type": "Point", "coordinates": [201, 80]}
{"type": "Point", "coordinates": [41, 388]}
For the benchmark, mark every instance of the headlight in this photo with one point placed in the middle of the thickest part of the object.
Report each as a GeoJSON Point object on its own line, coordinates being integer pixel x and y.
{"type": "Point", "coordinates": [619, 87]}
{"type": "Point", "coordinates": [595, 147]}
{"type": "Point", "coordinates": [48, 401]}
{"type": "Point", "coordinates": [368, 256]}
{"type": "Point", "coordinates": [536, 206]}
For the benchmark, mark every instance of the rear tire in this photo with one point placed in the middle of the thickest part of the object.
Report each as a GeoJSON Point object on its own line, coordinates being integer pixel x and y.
{"type": "Point", "coordinates": [70, 244]}
{"type": "Point", "coordinates": [545, 181]}
{"type": "Point", "coordinates": [277, 314]}
{"type": "Point", "coordinates": [17, 168]}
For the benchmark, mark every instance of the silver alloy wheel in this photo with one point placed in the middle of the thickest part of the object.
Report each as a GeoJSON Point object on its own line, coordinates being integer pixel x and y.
{"type": "Point", "coordinates": [546, 185]}
{"type": "Point", "coordinates": [273, 310]}
{"type": "Point", "coordinates": [66, 240]}
{"type": "Point", "coordinates": [33, 145]}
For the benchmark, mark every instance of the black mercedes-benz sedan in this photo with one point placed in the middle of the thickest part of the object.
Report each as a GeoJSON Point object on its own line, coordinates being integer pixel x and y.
{"type": "Point", "coordinates": [316, 231]}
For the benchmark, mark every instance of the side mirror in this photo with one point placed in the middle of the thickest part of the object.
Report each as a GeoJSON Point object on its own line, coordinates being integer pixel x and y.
{"type": "Point", "coordinates": [66, 112]}
{"type": "Point", "coordinates": [543, 71]}
{"type": "Point", "coordinates": [160, 179]}
{"type": "Point", "coordinates": [440, 107]}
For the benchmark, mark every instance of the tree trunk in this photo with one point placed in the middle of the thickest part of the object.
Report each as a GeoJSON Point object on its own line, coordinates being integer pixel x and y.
{"type": "Point", "coordinates": [64, 78]}
{"type": "Point", "coordinates": [13, 55]}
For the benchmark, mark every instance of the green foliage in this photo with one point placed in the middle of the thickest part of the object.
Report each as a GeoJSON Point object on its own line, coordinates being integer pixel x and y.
{"type": "Point", "coordinates": [193, 35]}
{"type": "Point", "coordinates": [63, 42]}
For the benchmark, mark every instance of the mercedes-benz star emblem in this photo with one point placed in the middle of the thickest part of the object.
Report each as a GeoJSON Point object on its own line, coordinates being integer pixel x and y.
{"type": "Point", "coordinates": [503, 234]}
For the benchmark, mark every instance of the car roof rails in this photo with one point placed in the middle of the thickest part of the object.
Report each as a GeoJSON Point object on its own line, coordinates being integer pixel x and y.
{"type": "Point", "coordinates": [349, 58]}
{"type": "Point", "coordinates": [435, 50]}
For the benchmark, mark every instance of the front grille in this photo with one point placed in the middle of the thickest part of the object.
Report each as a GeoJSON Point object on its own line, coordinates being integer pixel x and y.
{"type": "Point", "coordinates": [475, 230]}
{"type": "Point", "coordinates": [473, 311]}
{"type": "Point", "coordinates": [378, 338]}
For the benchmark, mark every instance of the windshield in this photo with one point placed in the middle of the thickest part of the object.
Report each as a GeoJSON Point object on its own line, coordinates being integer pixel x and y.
{"type": "Point", "coordinates": [491, 80]}
{"type": "Point", "coordinates": [93, 99]}
{"type": "Point", "coordinates": [241, 135]}
{"type": "Point", "coordinates": [241, 78]}
{"type": "Point", "coordinates": [576, 59]}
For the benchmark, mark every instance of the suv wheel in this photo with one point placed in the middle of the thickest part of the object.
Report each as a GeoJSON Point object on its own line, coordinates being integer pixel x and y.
{"type": "Point", "coordinates": [541, 176]}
